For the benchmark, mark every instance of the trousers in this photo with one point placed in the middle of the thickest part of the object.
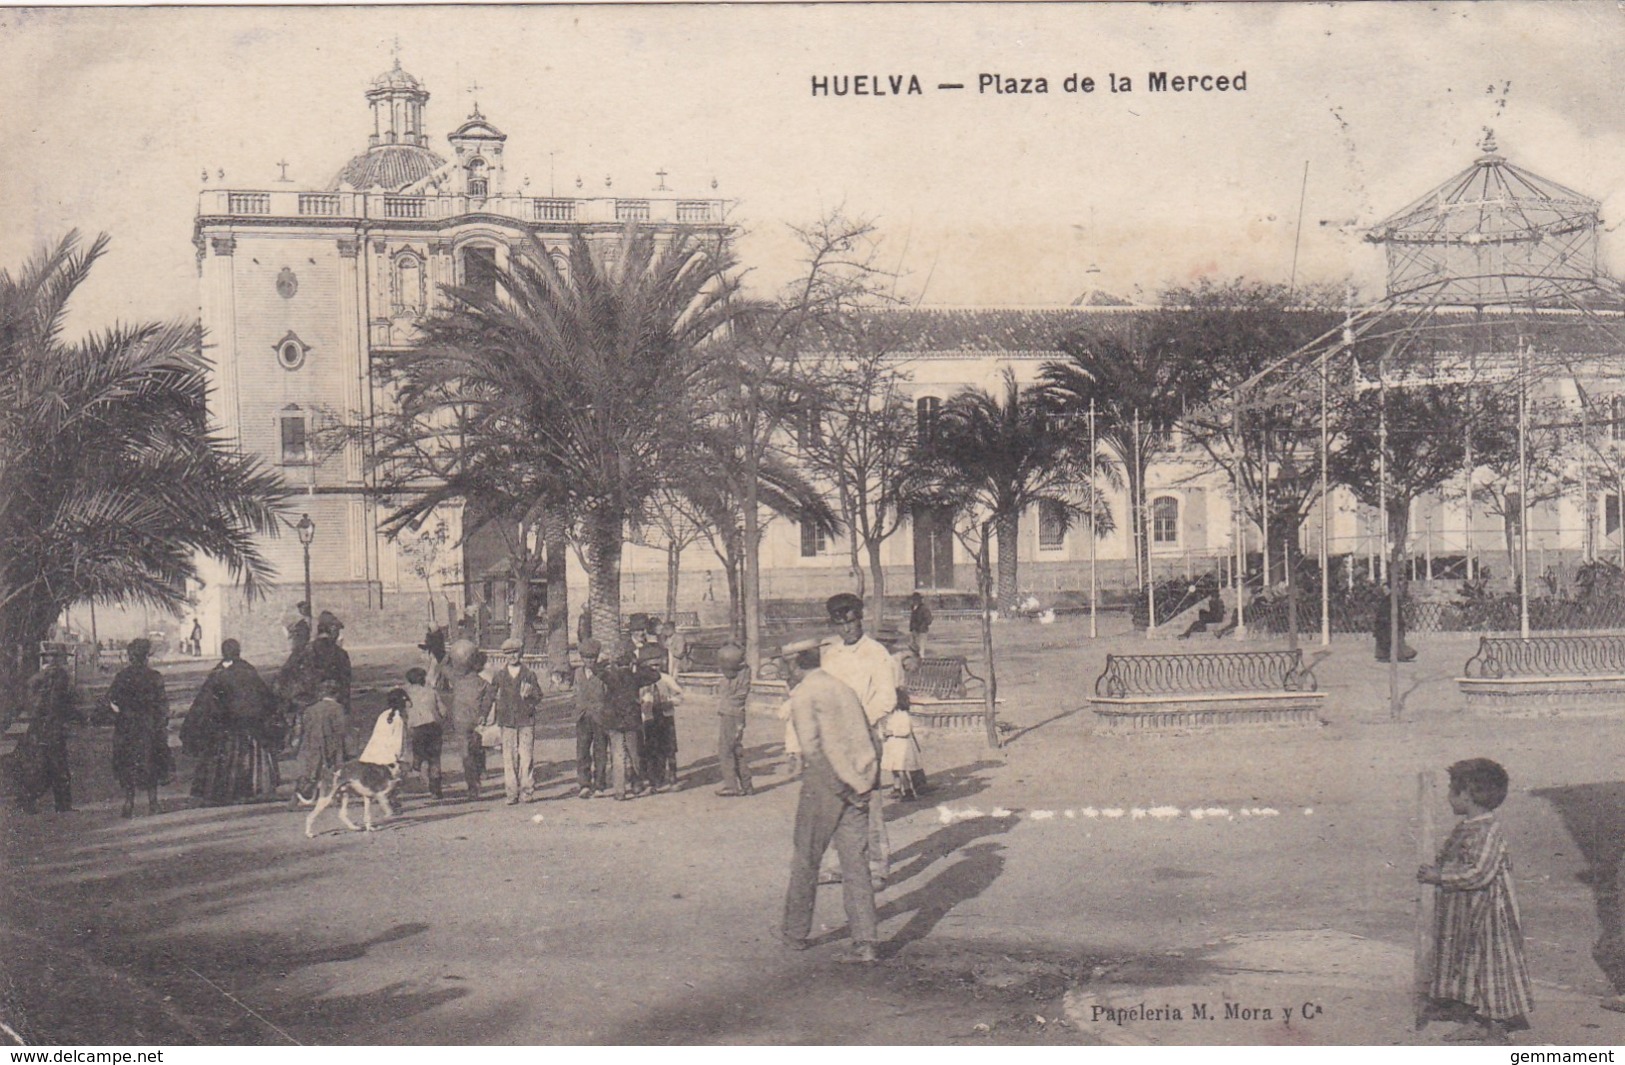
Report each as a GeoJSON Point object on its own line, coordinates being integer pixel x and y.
{"type": "Point", "coordinates": [592, 754]}
{"type": "Point", "coordinates": [623, 750]}
{"type": "Point", "coordinates": [518, 751]}
{"type": "Point", "coordinates": [731, 752]}
{"type": "Point", "coordinates": [822, 817]}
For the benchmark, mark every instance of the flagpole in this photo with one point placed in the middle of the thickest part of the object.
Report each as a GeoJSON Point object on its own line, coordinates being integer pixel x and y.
{"type": "Point", "coordinates": [1094, 535]}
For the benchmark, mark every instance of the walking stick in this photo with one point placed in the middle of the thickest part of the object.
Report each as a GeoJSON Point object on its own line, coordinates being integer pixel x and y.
{"type": "Point", "coordinates": [1423, 960]}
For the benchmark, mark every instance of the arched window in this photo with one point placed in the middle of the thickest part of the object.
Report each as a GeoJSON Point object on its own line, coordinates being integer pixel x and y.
{"type": "Point", "coordinates": [294, 430]}
{"type": "Point", "coordinates": [927, 414]}
{"type": "Point", "coordinates": [476, 177]}
{"type": "Point", "coordinates": [409, 288]}
{"type": "Point", "coordinates": [480, 269]}
{"type": "Point", "coordinates": [1165, 520]}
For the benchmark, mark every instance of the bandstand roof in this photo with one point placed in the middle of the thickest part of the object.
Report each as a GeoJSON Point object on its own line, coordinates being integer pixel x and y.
{"type": "Point", "coordinates": [1494, 234]}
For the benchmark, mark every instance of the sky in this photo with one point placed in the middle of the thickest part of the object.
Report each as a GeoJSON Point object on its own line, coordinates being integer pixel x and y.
{"type": "Point", "coordinates": [111, 115]}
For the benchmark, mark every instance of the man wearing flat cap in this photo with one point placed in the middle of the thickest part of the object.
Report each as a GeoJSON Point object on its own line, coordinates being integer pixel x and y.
{"type": "Point", "coordinates": [864, 665]}
{"type": "Point", "coordinates": [838, 785]}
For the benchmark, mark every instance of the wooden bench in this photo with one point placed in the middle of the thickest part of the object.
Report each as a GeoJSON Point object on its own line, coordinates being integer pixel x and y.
{"type": "Point", "coordinates": [1575, 674]}
{"type": "Point", "coordinates": [1206, 690]}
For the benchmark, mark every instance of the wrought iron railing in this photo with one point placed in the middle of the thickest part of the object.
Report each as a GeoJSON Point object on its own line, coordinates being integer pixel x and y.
{"type": "Point", "coordinates": [1204, 673]}
{"type": "Point", "coordinates": [1499, 657]}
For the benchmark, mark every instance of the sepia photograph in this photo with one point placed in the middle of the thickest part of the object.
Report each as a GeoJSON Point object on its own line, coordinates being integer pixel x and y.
{"type": "Point", "coordinates": [894, 524]}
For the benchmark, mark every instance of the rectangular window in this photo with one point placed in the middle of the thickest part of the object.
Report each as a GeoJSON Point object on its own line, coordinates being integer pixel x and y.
{"type": "Point", "coordinates": [1165, 521]}
{"type": "Point", "coordinates": [1051, 525]}
{"type": "Point", "coordinates": [1610, 514]}
{"type": "Point", "coordinates": [295, 439]}
{"type": "Point", "coordinates": [813, 540]}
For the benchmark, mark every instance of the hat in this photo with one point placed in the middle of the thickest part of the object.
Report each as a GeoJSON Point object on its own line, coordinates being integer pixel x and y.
{"type": "Point", "coordinates": [327, 621]}
{"type": "Point", "coordinates": [590, 649]}
{"type": "Point", "coordinates": [513, 643]}
{"type": "Point", "coordinates": [844, 607]}
{"type": "Point", "coordinates": [730, 656]}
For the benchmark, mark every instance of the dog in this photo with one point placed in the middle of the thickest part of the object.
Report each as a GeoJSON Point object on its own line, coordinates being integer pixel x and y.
{"type": "Point", "coordinates": [363, 780]}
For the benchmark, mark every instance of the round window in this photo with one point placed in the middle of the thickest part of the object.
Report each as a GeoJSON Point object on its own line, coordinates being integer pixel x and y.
{"type": "Point", "coordinates": [290, 352]}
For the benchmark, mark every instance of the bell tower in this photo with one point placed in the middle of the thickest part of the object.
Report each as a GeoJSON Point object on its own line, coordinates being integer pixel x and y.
{"type": "Point", "coordinates": [478, 145]}
{"type": "Point", "coordinates": [397, 100]}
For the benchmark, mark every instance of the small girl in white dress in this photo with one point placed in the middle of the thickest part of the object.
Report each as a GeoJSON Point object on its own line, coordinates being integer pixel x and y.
{"type": "Point", "coordinates": [900, 754]}
{"type": "Point", "coordinates": [389, 731]}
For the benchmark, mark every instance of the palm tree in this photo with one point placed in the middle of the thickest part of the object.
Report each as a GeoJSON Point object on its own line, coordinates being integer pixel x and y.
{"type": "Point", "coordinates": [111, 482]}
{"type": "Point", "coordinates": [993, 457]}
{"type": "Point", "coordinates": [1128, 370]}
{"type": "Point", "coordinates": [568, 385]}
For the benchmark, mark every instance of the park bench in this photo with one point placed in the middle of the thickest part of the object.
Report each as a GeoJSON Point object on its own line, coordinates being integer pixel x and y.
{"type": "Point", "coordinates": [1205, 690]}
{"type": "Point", "coordinates": [1581, 673]}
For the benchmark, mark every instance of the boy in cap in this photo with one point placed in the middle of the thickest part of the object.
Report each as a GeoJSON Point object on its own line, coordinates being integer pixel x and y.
{"type": "Point", "coordinates": [623, 714]}
{"type": "Point", "coordinates": [592, 739]}
{"type": "Point", "coordinates": [732, 697]}
{"type": "Point", "coordinates": [515, 696]}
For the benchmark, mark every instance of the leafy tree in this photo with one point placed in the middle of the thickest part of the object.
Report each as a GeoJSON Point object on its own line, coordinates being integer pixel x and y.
{"type": "Point", "coordinates": [1427, 429]}
{"type": "Point", "coordinates": [760, 382]}
{"type": "Point", "coordinates": [856, 432]}
{"type": "Point", "coordinates": [111, 481]}
{"type": "Point", "coordinates": [995, 455]}
{"type": "Point", "coordinates": [569, 387]}
{"type": "Point", "coordinates": [1228, 332]}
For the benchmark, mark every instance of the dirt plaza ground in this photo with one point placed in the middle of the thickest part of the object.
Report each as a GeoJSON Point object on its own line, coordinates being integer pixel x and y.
{"type": "Point", "coordinates": [1249, 886]}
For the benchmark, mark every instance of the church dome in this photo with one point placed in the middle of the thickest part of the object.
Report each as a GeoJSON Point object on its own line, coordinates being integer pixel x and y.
{"type": "Point", "coordinates": [396, 79]}
{"type": "Point", "coordinates": [388, 167]}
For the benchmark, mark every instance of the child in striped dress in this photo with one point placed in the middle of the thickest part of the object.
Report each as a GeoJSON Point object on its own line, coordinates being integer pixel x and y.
{"type": "Point", "coordinates": [1480, 977]}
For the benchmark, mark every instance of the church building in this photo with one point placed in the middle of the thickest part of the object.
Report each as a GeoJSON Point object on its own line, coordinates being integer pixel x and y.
{"type": "Point", "coordinates": [302, 289]}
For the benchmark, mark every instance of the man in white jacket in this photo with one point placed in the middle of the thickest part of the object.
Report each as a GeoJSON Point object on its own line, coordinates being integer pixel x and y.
{"type": "Point", "coordinates": [839, 777]}
{"type": "Point", "coordinates": [864, 665]}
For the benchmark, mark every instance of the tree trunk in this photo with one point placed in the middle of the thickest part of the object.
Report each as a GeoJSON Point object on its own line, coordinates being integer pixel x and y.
{"type": "Point", "coordinates": [604, 577]}
{"type": "Point", "coordinates": [557, 573]}
{"type": "Point", "coordinates": [752, 590]}
{"type": "Point", "coordinates": [984, 586]}
{"type": "Point", "coordinates": [674, 563]}
{"type": "Point", "coordinates": [877, 586]}
{"type": "Point", "coordinates": [1287, 553]}
{"type": "Point", "coordinates": [24, 623]}
{"type": "Point", "coordinates": [1398, 528]}
{"type": "Point", "coordinates": [1009, 526]}
{"type": "Point", "coordinates": [519, 609]}
{"type": "Point", "coordinates": [736, 608]}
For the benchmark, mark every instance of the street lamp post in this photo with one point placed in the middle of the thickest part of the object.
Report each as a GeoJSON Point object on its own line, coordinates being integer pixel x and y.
{"type": "Point", "coordinates": [307, 534]}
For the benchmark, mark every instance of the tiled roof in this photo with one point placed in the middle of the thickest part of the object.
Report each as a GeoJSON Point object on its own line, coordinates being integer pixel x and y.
{"type": "Point", "coordinates": [1006, 330]}
{"type": "Point", "coordinates": [388, 167]}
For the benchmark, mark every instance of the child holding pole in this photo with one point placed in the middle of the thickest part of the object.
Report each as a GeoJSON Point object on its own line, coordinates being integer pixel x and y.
{"type": "Point", "coordinates": [1480, 977]}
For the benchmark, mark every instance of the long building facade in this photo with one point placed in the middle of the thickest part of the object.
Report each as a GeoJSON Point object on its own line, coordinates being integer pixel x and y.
{"type": "Point", "coordinates": [302, 291]}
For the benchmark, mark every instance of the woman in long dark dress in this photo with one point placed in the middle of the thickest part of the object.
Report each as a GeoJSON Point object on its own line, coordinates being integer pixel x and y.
{"type": "Point", "coordinates": [140, 728]}
{"type": "Point", "coordinates": [233, 711]}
